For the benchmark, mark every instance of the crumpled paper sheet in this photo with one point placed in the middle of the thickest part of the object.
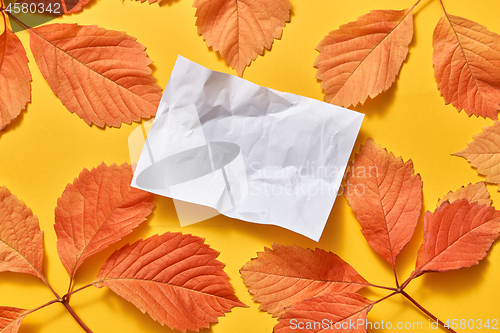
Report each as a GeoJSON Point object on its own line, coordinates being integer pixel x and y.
{"type": "Point", "coordinates": [250, 152]}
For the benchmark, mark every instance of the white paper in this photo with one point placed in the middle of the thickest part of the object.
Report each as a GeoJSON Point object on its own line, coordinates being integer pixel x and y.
{"type": "Point", "coordinates": [252, 153]}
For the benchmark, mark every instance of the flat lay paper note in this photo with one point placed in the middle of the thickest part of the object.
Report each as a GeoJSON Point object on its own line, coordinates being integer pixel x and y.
{"type": "Point", "coordinates": [250, 152]}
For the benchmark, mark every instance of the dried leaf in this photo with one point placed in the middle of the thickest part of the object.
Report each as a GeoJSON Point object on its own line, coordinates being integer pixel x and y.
{"type": "Point", "coordinates": [483, 153]}
{"type": "Point", "coordinates": [285, 275]}
{"type": "Point", "coordinates": [101, 75]}
{"type": "Point", "coordinates": [477, 193]}
{"type": "Point", "coordinates": [21, 240]}
{"type": "Point", "coordinates": [10, 319]}
{"type": "Point", "coordinates": [175, 278]}
{"type": "Point", "coordinates": [386, 197]}
{"type": "Point", "coordinates": [467, 65]}
{"type": "Point", "coordinates": [240, 29]}
{"type": "Point", "coordinates": [97, 210]}
{"type": "Point", "coordinates": [456, 235]}
{"type": "Point", "coordinates": [15, 78]}
{"type": "Point", "coordinates": [362, 59]}
{"type": "Point", "coordinates": [344, 312]}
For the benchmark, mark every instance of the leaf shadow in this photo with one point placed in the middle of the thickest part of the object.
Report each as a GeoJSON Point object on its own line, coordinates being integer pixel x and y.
{"type": "Point", "coordinates": [15, 123]}
{"type": "Point", "coordinates": [28, 328]}
{"type": "Point", "coordinates": [454, 283]}
{"type": "Point", "coordinates": [164, 3]}
{"type": "Point", "coordinates": [407, 258]}
{"type": "Point", "coordinates": [379, 105]}
{"type": "Point", "coordinates": [121, 306]}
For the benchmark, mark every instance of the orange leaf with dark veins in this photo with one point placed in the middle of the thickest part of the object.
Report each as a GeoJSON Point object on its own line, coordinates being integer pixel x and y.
{"type": "Point", "coordinates": [362, 58]}
{"type": "Point", "coordinates": [456, 235]}
{"type": "Point", "coordinates": [96, 210]}
{"type": "Point", "coordinates": [10, 319]}
{"type": "Point", "coordinates": [340, 312]}
{"type": "Point", "coordinates": [241, 29]}
{"type": "Point", "coordinates": [101, 75]}
{"type": "Point", "coordinates": [175, 278]}
{"type": "Point", "coordinates": [284, 275]}
{"type": "Point", "coordinates": [389, 207]}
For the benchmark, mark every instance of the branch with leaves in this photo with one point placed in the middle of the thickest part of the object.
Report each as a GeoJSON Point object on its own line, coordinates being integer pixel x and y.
{"type": "Point", "coordinates": [306, 286]}
{"type": "Point", "coordinates": [161, 275]}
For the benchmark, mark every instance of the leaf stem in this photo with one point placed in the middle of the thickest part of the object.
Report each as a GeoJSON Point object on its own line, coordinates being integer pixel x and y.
{"type": "Point", "coordinates": [17, 20]}
{"type": "Point", "coordinates": [79, 289]}
{"type": "Point", "coordinates": [73, 313]}
{"type": "Point", "coordinates": [50, 287]}
{"type": "Point", "coordinates": [415, 5]}
{"type": "Point", "coordinates": [4, 20]}
{"type": "Point", "coordinates": [407, 282]}
{"type": "Point", "coordinates": [442, 6]}
{"type": "Point", "coordinates": [426, 312]}
{"type": "Point", "coordinates": [380, 287]}
{"type": "Point", "coordinates": [43, 306]}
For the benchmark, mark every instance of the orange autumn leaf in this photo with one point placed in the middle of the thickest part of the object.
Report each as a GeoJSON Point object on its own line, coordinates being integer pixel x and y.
{"type": "Point", "coordinates": [21, 240]}
{"type": "Point", "coordinates": [466, 62]}
{"type": "Point", "coordinates": [456, 235]}
{"type": "Point", "coordinates": [483, 153]}
{"type": "Point", "coordinates": [362, 59]}
{"type": "Point", "coordinates": [389, 205]}
{"type": "Point", "coordinates": [340, 313]}
{"type": "Point", "coordinates": [15, 78]}
{"type": "Point", "coordinates": [175, 278]}
{"type": "Point", "coordinates": [10, 319]}
{"type": "Point", "coordinates": [101, 75]}
{"type": "Point", "coordinates": [285, 275]}
{"type": "Point", "coordinates": [472, 193]}
{"type": "Point", "coordinates": [241, 29]}
{"type": "Point", "coordinates": [96, 210]}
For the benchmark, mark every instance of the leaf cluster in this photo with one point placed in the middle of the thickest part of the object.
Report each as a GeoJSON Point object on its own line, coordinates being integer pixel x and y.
{"type": "Point", "coordinates": [305, 286]}
{"type": "Point", "coordinates": [175, 278]}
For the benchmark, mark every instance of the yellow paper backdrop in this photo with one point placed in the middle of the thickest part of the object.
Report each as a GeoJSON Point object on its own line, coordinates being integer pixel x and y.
{"type": "Point", "coordinates": [47, 147]}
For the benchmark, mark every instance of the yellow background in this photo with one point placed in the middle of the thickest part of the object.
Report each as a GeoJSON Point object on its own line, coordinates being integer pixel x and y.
{"type": "Point", "coordinates": [46, 147]}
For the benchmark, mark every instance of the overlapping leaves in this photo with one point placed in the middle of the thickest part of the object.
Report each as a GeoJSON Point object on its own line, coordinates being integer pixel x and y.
{"type": "Point", "coordinates": [162, 275]}
{"type": "Point", "coordinates": [320, 285]}
{"type": "Point", "coordinates": [101, 75]}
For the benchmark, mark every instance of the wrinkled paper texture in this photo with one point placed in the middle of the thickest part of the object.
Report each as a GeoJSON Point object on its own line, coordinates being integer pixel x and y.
{"type": "Point", "coordinates": [252, 153]}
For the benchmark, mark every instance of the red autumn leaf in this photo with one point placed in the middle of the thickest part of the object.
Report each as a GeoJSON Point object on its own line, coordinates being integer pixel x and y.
{"type": "Point", "coordinates": [285, 275]}
{"type": "Point", "coordinates": [101, 75]}
{"type": "Point", "coordinates": [97, 210]}
{"type": "Point", "coordinates": [472, 193]}
{"type": "Point", "coordinates": [389, 205]}
{"type": "Point", "coordinates": [15, 78]}
{"type": "Point", "coordinates": [467, 65]}
{"type": "Point", "coordinates": [241, 29]}
{"type": "Point", "coordinates": [175, 278]}
{"type": "Point", "coordinates": [362, 59]}
{"type": "Point", "coordinates": [456, 235]}
{"type": "Point", "coordinates": [21, 240]}
{"type": "Point", "coordinates": [343, 312]}
{"type": "Point", "coordinates": [483, 153]}
{"type": "Point", "coordinates": [10, 319]}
